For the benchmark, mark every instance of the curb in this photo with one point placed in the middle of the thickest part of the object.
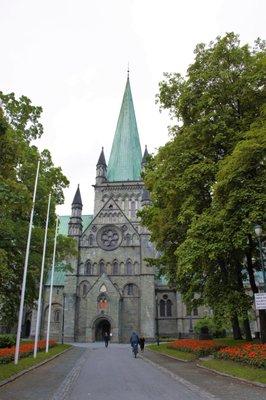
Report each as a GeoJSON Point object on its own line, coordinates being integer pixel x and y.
{"type": "Point", "coordinates": [258, 384]}
{"type": "Point", "coordinates": [25, 371]}
{"type": "Point", "coordinates": [167, 355]}
{"type": "Point", "coordinates": [202, 394]}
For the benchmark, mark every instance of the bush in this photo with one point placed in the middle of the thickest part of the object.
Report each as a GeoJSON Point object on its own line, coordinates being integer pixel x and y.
{"type": "Point", "coordinates": [7, 341]}
{"type": "Point", "coordinates": [208, 322]}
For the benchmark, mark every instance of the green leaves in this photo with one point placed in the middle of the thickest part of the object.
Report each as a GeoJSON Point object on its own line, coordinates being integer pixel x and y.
{"type": "Point", "coordinates": [19, 158]}
{"type": "Point", "coordinates": [206, 183]}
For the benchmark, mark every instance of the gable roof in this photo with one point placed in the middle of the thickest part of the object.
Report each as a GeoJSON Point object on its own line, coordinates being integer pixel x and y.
{"type": "Point", "coordinates": [125, 159]}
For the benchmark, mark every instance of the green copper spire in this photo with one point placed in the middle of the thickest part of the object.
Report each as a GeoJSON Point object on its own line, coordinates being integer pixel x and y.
{"type": "Point", "coordinates": [125, 159]}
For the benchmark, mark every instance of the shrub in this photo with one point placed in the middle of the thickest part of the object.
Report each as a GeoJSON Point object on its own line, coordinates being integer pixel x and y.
{"type": "Point", "coordinates": [217, 331]}
{"type": "Point", "coordinates": [7, 341]}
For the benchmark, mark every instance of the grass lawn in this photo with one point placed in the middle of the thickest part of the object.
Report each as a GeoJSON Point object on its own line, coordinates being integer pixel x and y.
{"type": "Point", "coordinates": [7, 370]}
{"type": "Point", "coordinates": [236, 369]}
{"type": "Point", "coordinates": [182, 355]}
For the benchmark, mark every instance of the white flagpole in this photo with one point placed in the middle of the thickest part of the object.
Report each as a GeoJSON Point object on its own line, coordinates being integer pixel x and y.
{"type": "Point", "coordinates": [26, 268]}
{"type": "Point", "coordinates": [37, 329]}
{"type": "Point", "coordinates": [51, 290]}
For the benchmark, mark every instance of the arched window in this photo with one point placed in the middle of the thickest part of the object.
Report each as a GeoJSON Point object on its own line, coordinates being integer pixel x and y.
{"type": "Point", "coordinates": [102, 267]}
{"type": "Point", "coordinates": [128, 239]}
{"type": "Point", "coordinates": [195, 312]}
{"type": "Point", "coordinates": [88, 269]}
{"type": "Point", "coordinates": [129, 268]}
{"type": "Point", "coordinates": [56, 315]}
{"type": "Point", "coordinates": [168, 308]}
{"type": "Point", "coordinates": [162, 308]}
{"type": "Point", "coordinates": [84, 289]}
{"type": "Point", "coordinates": [90, 240]}
{"type": "Point", "coordinates": [130, 288]}
{"type": "Point", "coordinates": [115, 268]}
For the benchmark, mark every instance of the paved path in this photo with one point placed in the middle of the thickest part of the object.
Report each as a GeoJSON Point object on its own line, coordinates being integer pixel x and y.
{"type": "Point", "coordinates": [91, 372]}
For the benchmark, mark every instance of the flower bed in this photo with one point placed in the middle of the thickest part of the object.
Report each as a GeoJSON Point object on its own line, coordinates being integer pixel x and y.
{"type": "Point", "coordinates": [252, 354]}
{"type": "Point", "coordinates": [199, 347]}
{"type": "Point", "coordinates": [8, 354]}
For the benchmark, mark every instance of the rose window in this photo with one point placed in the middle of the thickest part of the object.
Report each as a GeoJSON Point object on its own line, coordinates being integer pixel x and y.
{"type": "Point", "coordinates": [109, 237]}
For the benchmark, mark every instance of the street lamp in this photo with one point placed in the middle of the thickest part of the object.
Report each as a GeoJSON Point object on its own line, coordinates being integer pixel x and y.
{"type": "Point", "coordinates": [258, 231]}
{"type": "Point", "coordinates": [157, 321]}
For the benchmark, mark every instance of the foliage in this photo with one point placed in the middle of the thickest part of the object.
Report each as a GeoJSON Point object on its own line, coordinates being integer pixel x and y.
{"type": "Point", "coordinates": [19, 159]}
{"type": "Point", "coordinates": [251, 354]}
{"type": "Point", "coordinates": [7, 341]}
{"type": "Point", "coordinates": [206, 183]}
{"type": "Point", "coordinates": [216, 330]}
{"type": "Point", "coordinates": [8, 354]}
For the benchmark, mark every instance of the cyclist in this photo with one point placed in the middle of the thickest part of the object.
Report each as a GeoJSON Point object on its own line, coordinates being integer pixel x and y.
{"type": "Point", "coordinates": [134, 341]}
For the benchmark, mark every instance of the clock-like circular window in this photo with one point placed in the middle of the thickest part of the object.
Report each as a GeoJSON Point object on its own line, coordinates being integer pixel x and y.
{"type": "Point", "coordinates": [109, 237]}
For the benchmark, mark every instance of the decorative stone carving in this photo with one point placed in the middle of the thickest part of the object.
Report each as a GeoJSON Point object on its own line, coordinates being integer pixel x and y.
{"type": "Point", "coordinates": [109, 237]}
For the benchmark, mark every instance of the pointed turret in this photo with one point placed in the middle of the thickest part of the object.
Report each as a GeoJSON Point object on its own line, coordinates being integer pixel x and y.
{"type": "Point", "coordinates": [144, 158]}
{"type": "Point", "coordinates": [125, 159]}
{"type": "Point", "coordinates": [75, 221]}
{"type": "Point", "coordinates": [101, 169]}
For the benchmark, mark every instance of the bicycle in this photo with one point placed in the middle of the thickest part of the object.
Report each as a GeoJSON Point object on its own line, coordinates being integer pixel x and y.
{"type": "Point", "coordinates": [135, 349]}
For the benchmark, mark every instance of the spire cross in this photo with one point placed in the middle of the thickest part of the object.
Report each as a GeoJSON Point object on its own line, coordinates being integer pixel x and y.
{"type": "Point", "coordinates": [128, 69]}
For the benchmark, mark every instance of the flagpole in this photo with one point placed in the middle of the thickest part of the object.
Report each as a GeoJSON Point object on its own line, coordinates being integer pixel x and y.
{"type": "Point", "coordinates": [51, 290]}
{"type": "Point", "coordinates": [37, 329]}
{"type": "Point", "coordinates": [26, 268]}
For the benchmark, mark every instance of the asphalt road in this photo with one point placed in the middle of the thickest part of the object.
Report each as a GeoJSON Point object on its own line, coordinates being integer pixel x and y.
{"type": "Point", "coordinates": [114, 374]}
{"type": "Point", "coordinates": [92, 372]}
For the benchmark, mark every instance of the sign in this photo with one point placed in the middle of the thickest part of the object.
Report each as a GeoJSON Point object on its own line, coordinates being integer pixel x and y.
{"type": "Point", "coordinates": [260, 301]}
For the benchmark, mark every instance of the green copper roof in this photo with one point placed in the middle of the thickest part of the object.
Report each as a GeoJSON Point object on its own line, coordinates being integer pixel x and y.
{"type": "Point", "coordinates": [64, 220]}
{"type": "Point", "coordinates": [59, 271]}
{"type": "Point", "coordinates": [125, 159]}
{"type": "Point", "coordinates": [59, 276]}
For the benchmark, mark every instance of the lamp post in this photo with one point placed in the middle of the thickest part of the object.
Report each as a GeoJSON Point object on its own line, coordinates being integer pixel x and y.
{"type": "Point", "coordinates": [157, 321]}
{"type": "Point", "coordinates": [258, 231]}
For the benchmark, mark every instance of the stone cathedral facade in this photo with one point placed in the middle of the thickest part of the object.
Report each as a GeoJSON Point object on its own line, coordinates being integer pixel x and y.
{"type": "Point", "coordinates": [111, 288]}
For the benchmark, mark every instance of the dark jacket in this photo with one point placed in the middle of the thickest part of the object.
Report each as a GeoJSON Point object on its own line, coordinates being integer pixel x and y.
{"type": "Point", "coordinates": [134, 339]}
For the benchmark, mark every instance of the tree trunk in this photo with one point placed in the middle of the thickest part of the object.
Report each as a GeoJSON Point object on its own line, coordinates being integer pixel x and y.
{"type": "Point", "coordinates": [247, 329]}
{"type": "Point", "coordinates": [254, 288]}
{"type": "Point", "coordinates": [236, 328]}
{"type": "Point", "coordinates": [262, 315]}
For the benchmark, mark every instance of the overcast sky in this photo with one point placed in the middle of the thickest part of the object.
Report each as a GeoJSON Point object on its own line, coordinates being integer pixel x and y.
{"type": "Point", "coordinates": [71, 57]}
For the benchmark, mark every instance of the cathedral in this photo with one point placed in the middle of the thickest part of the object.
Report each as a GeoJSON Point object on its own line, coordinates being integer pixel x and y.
{"type": "Point", "coordinates": [111, 288]}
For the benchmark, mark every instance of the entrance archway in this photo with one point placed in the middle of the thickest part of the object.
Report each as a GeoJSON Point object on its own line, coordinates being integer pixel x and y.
{"type": "Point", "coordinates": [102, 326]}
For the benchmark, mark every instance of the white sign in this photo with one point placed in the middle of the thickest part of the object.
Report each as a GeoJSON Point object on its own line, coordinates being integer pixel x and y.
{"type": "Point", "coordinates": [260, 301]}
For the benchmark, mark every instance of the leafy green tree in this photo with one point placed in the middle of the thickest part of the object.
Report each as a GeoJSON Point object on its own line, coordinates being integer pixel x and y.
{"type": "Point", "coordinates": [19, 125]}
{"type": "Point", "coordinates": [214, 106]}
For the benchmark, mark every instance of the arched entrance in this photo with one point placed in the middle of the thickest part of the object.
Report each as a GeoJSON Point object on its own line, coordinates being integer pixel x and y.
{"type": "Point", "coordinates": [102, 326]}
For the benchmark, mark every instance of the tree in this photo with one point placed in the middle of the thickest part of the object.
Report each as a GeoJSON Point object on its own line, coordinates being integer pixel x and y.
{"type": "Point", "coordinates": [214, 105]}
{"type": "Point", "coordinates": [19, 125]}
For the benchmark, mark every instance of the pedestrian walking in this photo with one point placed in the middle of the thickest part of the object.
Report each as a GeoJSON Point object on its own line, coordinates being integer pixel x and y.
{"type": "Point", "coordinates": [106, 338]}
{"type": "Point", "coordinates": [134, 341]}
{"type": "Point", "coordinates": [142, 343]}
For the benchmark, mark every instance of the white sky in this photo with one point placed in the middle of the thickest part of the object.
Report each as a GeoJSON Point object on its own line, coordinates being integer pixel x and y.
{"type": "Point", "coordinates": [71, 56]}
